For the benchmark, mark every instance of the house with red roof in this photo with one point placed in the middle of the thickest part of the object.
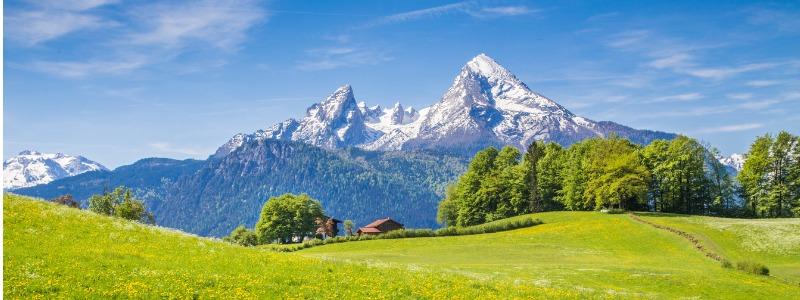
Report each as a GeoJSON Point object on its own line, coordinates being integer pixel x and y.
{"type": "Point", "coordinates": [380, 226]}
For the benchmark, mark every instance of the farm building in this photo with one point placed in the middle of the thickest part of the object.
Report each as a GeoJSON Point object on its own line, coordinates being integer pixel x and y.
{"type": "Point", "coordinates": [380, 226]}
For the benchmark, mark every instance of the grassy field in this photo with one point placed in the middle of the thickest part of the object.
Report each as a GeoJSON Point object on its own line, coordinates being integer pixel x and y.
{"type": "Point", "coordinates": [773, 242]}
{"type": "Point", "coordinates": [52, 251]}
{"type": "Point", "coordinates": [579, 252]}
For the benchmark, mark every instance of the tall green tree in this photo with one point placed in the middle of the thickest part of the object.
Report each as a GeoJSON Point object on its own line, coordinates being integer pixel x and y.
{"type": "Point", "coordinates": [288, 216]}
{"type": "Point", "coordinates": [616, 174]}
{"type": "Point", "coordinates": [549, 174]}
{"type": "Point", "coordinates": [753, 177]}
{"type": "Point", "coordinates": [533, 154]}
{"type": "Point", "coordinates": [769, 178]}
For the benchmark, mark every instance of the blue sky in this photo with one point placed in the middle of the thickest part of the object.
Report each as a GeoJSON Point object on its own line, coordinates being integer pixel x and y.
{"type": "Point", "coordinates": [117, 81]}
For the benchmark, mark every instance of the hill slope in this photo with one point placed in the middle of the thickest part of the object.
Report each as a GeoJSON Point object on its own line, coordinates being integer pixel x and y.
{"type": "Point", "coordinates": [214, 196]}
{"type": "Point", "coordinates": [52, 251]}
{"type": "Point", "coordinates": [579, 252]}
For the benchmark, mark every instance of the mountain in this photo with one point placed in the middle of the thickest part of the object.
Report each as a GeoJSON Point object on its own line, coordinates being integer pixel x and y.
{"type": "Point", "coordinates": [362, 162]}
{"type": "Point", "coordinates": [31, 168]}
{"type": "Point", "coordinates": [214, 196]}
{"type": "Point", "coordinates": [734, 163]}
{"type": "Point", "coordinates": [485, 106]}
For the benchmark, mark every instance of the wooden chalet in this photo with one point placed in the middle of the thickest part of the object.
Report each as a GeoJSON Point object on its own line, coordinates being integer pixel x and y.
{"type": "Point", "coordinates": [380, 226]}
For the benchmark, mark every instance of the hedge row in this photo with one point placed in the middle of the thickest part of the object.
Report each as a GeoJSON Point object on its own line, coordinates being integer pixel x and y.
{"type": "Point", "coordinates": [496, 226]}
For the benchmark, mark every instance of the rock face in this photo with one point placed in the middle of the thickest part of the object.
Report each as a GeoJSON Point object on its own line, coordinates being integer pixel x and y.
{"type": "Point", "coordinates": [31, 168]}
{"type": "Point", "coordinates": [486, 105]}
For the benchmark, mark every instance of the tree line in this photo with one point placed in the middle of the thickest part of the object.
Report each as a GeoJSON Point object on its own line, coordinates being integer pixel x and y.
{"type": "Point", "coordinates": [675, 176]}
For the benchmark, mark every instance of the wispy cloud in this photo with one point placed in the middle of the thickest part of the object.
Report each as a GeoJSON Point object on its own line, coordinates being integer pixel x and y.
{"type": "Point", "coordinates": [470, 8]}
{"type": "Point", "coordinates": [731, 128]}
{"type": "Point", "coordinates": [153, 33]}
{"type": "Point", "coordinates": [740, 96]}
{"type": "Point", "coordinates": [507, 10]}
{"type": "Point", "coordinates": [221, 24]}
{"type": "Point", "coordinates": [762, 83]}
{"type": "Point", "coordinates": [345, 56]}
{"type": "Point", "coordinates": [780, 19]}
{"type": "Point", "coordinates": [677, 98]}
{"type": "Point", "coordinates": [724, 72]}
{"type": "Point", "coordinates": [629, 38]}
{"type": "Point", "coordinates": [76, 69]}
{"type": "Point", "coordinates": [170, 148]}
{"type": "Point", "coordinates": [48, 20]}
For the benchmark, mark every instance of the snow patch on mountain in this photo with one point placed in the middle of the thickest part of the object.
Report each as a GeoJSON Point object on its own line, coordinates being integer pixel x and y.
{"type": "Point", "coordinates": [31, 168]}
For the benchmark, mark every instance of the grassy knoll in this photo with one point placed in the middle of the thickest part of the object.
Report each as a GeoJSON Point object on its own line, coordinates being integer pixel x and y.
{"type": "Point", "coordinates": [574, 252]}
{"type": "Point", "coordinates": [773, 242]}
{"type": "Point", "coordinates": [52, 251]}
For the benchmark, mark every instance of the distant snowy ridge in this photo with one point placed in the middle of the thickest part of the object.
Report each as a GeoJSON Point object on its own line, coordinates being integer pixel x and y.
{"type": "Point", "coordinates": [485, 106]}
{"type": "Point", "coordinates": [31, 168]}
{"type": "Point", "coordinates": [735, 161]}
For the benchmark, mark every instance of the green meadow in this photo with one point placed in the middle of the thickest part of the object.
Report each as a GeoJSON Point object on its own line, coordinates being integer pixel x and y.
{"type": "Point", "coordinates": [51, 251]}
{"type": "Point", "coordinates": [608, 254]}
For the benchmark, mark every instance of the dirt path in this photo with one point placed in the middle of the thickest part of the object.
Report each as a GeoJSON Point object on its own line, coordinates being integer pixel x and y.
{"type": "Point", "coordinates": [691, 238]}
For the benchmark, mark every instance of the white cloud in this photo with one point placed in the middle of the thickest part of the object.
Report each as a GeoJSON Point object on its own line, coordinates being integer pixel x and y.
{"type": "Point", "coordinates": [677, 98]}
{"type": "Point", "coordinates": [153, 33]}
{"type": "Point", "coordinates": [676, 60]}
{"type": "Point", "coordinates": [740, 96]}
{"type": "Point", "coordinates": [344, 56]}
{"type": "Point", "coordinates": [418, 14]}
{"type": "Point", "coordinates": [222, 24]}
{"type": "Point", "coordinates": [169, 148]}
{"type": "Point", "coordinates": [52, 19]}
{"type": "Point", "coordinates": [470, 8]}
{"type": "Point", "coordinates": [732, 128]}
{"type": "Point", "coordinates": [75, 69]}
{"type": "Point", "coordinates": [507, 10]}
{"type": "Point", "coordinates": [762, 83]}
{"type": "Point", "coordinates": [628, 39]}
{"type": "Point", "coordinates": [724, 72]}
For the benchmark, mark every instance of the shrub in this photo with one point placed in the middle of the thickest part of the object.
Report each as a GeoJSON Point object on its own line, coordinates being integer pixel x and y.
{"type": "Point", "coordinates": [726, 263]}
{"type": "Point", "coordinates": [753, 267]}
{"type": "Point", "coordinates": [613, 211]}
{"type": "Point", "coordinates": [66, 200]}
{"type": "Point", "coordinates": [242, 236]}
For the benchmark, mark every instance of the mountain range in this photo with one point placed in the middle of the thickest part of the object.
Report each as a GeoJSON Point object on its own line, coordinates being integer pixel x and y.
{"type": "Point", "coordinates": [485, 106]}
{"type": "Point", "coordinates": [362, 162]}
{"type": "Point", "coordinates": [31, 168]}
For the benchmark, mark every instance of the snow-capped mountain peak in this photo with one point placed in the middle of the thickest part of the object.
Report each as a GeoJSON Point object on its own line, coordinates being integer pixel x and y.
{"type": "Point", "coordinates": [735, 161]}
{"type": "Point", "coordinates": [485, 105]}
{"type": "Point", "coordinates": [30, 168]}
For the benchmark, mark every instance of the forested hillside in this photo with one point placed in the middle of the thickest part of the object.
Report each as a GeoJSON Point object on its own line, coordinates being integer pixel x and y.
{"type": "Point", "coordinates": [214, 196]}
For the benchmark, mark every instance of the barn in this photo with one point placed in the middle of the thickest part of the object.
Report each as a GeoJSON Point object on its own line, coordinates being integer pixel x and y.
{"type": "Point", "coordinates": [380, 226]}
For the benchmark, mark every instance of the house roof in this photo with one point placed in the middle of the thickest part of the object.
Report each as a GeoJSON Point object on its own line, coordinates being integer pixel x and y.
{"type": "Point", "coordinates": [378, 222]}
{"type": "Point", "coordinates": [369, 230]}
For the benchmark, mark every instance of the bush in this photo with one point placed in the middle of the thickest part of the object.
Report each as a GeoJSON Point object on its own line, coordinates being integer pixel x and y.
{"type": "Point", "coordinates": [242, 236]}
{"type": "Point", "coordinates": [726, 264]}
{"type": "Point", "coordinates": [66, 200]}
{"type": "Point", "coordinates": [753, 267]}
{"type": "Point", "coordinates": [613, 211]}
